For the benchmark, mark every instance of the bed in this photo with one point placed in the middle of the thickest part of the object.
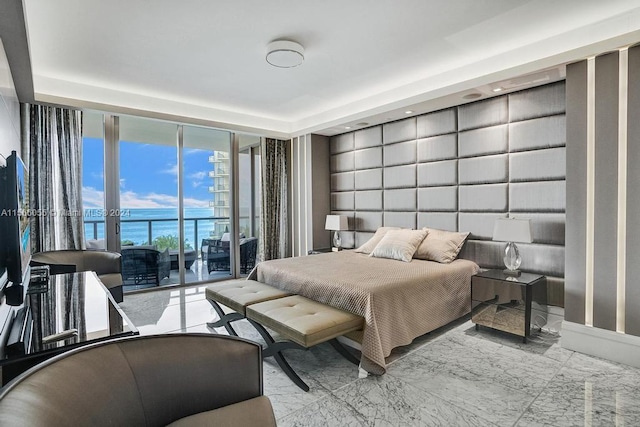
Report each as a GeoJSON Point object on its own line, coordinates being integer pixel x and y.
{"type": "Point", "coordinates": [398, 300]}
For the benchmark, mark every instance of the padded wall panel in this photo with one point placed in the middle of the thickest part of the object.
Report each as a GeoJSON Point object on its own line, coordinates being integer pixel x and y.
{"type": "Point", "coordinates": [368, 221]}
{"type": "Point", "coordinates": [343, 201]}
{"type": "Point", "coordinates": [400, 154]}
{"type": "Point", "coordinates": [438, 199]}
{"type": "Point", "coordinates": [342, 162]}
{"type": "Point", "coordinates": [576, 229]}
{"type": "Point", "coordinates": [632, 293]}
{"type": "Point", "coordinates": [482, 142]}
{"type": "Point", "coordinates": [366, 138]}
{"type": "Point", "coordinates": [437, 123]}
{"type": "Point", "coordinates": [548, 228]}
{"type": "Point", "coordinates": [400, 219]}
{"type": "Point", "coordinates": [341, 143]}
{"type": "Point", "coordinates": [538, 165]}
{"type": "Point", "coordinates": [483, 113]}
{"type": "Point", "coordinates": [342, 181]}
{"type": "Point", "coordinates": [368, 179]}
{"type": "Point", "coordinates": [399, 176]}
{"type": "Point", "coordinates": [362, 237]}
{"type": "Point", "coordinates": [487, 254]}
{"type": "Point", "coordinates": [400, 200]}
{"type": "Point", "coordinates": [441, 147]}
{"type": "Point", "coordinates": [440, 220]}
{"type": "Point", "coordinates": [544, 100]}
{"type": "Point", "coordinates": [606, 196]}
{"type": "Point", "coordinates": [438, 173]}
{"type": "Point", "coordinates": [403, 130]}
{"type": "Point", "coordinates": [368, 200]}
{"type": "Point", "coordinates": [348, 239]}
{"type": "Point", "coordinates": [479, 198]}
{"type": "Point", "coordinates": [368, 158]}
{"type": "Point", "coordinates": [544, 132]}
{"type": "Point", "coordinates": [480, 225]}
{"type": "Point", "coordinates": [483, 170]}
{"type": "Point", "coordinates": [546, 196]}
{"type": "Point", "coordinates": [542, 259]}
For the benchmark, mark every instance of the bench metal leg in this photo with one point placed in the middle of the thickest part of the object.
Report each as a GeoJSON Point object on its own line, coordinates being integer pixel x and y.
{"type": "Point", "coordinates": [274, 349]}
{"type": "Point", "coordinates": [337, 345]}
{"type": "Point", "coordinates": [225, 319]}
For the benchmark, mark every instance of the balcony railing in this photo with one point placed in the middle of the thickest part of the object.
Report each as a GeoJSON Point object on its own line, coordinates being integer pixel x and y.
{"type": "Point", "coordinates": [198, 227]}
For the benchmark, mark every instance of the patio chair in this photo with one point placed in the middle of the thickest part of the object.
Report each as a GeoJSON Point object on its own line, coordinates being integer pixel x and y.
{"type": "Point", "coordinates": [218, 255]}
{"type": "Point", "coordinates": [144, 265]}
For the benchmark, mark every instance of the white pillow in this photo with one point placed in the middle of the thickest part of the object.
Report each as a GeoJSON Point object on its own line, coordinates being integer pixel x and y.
{"type": "Point", "coordinates": [440, 245]}
{"type": "Point", "coordinates": [373, 241]}
{"type": "Point", "coordinates": [399, 244]}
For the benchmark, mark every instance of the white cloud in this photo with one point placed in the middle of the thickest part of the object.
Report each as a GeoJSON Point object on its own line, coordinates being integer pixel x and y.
{"type": "Point", "coordinates": [200, 175]}
{"type": "Point", "coordinates": [122, 182]}
{"type": "Point", "coordinates": [172, 169]}
{"type": "Point", "coordinates": [92, 198]}
{"type": "Point", "coordinates": [192, 151]}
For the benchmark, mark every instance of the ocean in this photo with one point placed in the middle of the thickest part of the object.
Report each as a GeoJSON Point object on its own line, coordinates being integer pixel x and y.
{"type": "Point", "coordinates": [134, 226]}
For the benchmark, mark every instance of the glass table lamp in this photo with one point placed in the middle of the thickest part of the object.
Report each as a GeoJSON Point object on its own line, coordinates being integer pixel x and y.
{"type": "Point", "coordinates": [336, 223]}
{"type": "Point", "coordinates": [512, 231]}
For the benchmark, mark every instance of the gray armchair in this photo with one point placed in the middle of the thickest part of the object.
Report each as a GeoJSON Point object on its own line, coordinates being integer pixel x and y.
{"type": "Point", "coordinates": [107, 265]}
{"type": "Point", "coordinates": [185, 379]}
{"type": "Point", "coordinates": [143, 265]}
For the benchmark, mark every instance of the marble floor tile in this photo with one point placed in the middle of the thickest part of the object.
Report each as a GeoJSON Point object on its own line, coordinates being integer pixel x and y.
{"type": "Point", "coordinates": [475, 393]}
{"type": "Point", "coordinates": [388, 401]}
{"type": "Point", "coordinates": [328, 411]}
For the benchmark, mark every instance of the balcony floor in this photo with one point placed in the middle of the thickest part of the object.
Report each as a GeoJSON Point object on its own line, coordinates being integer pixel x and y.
{"type": "Point", "coordinates": [197, 273]}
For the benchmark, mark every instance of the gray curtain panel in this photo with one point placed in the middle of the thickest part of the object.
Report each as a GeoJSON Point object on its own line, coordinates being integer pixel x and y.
{"type": "Point", "coordinates": [274, 223]}
{"type": "Point", "coordinates": [55, 166]}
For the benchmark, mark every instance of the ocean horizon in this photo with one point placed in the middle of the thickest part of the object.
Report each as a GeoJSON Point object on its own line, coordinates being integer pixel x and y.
{"type": "Point", "coordinates": [134, 226]}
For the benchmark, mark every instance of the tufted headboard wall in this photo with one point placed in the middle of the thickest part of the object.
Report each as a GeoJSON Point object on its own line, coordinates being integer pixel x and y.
{"type": "Point", "coordinates": [459, 169]}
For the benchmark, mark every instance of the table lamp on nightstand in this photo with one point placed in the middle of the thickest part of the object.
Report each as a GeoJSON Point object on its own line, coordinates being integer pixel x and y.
{"type": "Point", "coordinates": [512, 230]}
{"type": "Point", "coordinates": [336, 223]}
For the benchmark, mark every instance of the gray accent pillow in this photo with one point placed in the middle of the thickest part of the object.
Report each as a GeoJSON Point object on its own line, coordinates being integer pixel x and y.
{"type": "Point", "coordinates": [370, 245]}
{"type": "Point", "coordinates": [399, 244]}
{"type": "Point", "coordinates": [440, 245]}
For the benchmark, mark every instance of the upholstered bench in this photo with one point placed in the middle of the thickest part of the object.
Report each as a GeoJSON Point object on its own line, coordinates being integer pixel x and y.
{"type": "Point", "coordinates": [237, 295]}
{"type": "Point", "coordinates": [299, 322]}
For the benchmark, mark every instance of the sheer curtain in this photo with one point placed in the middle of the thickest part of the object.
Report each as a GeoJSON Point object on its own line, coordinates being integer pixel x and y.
{"type": "Point", "coordinates": [54, 139]}
{"type": "Point", "coordinates": [274, 223]}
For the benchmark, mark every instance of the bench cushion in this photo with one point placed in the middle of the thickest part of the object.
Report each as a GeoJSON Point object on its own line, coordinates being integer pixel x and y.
{"type": "Point", "coordinates": [239, 293]}
{"type": "Point", "coordinates": [302, 320]}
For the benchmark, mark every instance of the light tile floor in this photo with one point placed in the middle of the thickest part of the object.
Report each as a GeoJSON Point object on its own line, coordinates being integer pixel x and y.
{"type": "Point", "coordinates": [455, 376]}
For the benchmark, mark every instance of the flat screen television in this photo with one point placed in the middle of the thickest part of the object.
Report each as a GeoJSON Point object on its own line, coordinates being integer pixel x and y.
{"type": "Point", "coordinates": [14, 219]}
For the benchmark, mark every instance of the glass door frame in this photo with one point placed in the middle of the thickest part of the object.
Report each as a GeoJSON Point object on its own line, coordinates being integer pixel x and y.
{"type": "Point", "coordinates": [112, 196]}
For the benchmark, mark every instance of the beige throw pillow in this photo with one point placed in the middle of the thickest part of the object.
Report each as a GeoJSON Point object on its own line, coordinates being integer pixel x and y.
{"type": "Point", "coordinates": [399, 244]}
{"type": "Point", "coordinates": [440, 245]}
{"type": "Point", "coordinates": [373, 241]}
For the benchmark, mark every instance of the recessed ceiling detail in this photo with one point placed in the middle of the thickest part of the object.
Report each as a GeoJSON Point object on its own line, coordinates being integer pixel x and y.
{"type": "Point", "coordinates": [170, 61]}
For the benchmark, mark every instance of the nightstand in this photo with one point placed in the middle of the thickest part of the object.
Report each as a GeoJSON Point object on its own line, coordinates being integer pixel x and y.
{"type": "Point", "coordinates": [319, 251]}
{"type": "Point", "coordinates": [509, 303]}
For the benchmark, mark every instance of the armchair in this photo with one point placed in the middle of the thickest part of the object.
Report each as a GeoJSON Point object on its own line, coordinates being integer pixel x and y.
{"type": "Point", "coordinates": [187, 379]}
{"type": "Point", "coordinates": [218, 255]}
{"type": "Point", "coordinates": [107, 265]}
{"type": "Point", "coordinates": [144, 265]}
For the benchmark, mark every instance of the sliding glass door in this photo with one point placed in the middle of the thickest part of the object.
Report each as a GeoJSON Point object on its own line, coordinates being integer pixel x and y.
{"type": "Point", "coordinates": [163, 195]}
{"type": "Point", "coordinates": [206, 190]}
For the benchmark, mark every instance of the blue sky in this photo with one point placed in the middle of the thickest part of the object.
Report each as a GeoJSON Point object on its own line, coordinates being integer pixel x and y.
{"type": "Point", "coordinates": [148, 175]}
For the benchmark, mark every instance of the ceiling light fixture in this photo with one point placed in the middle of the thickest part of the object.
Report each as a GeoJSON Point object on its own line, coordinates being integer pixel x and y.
{"type": "Point", "coordinates": [347, 127]}
{"type": "Point", "coordinates": [498, 89]}
{"type": "Point", "coordinates": [285, 54]}
{"type": "Point", "coordinates": [408, 112]}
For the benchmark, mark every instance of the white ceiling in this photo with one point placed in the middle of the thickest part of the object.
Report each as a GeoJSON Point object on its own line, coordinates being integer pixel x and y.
{"type": "Point", "coordinates": [365, 61]}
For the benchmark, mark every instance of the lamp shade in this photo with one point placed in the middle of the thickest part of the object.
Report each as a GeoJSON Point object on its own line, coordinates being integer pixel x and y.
{"type": "Point", "coordinates": [512, 230]}
{"type": "Point", "coordinates": [336, 222]}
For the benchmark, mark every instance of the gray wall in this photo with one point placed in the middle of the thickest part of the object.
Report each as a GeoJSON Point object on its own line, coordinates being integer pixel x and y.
{"type": "Point", "coordinates": [460, 169]}
{"type": "Point", "coordinates": [601, 271]}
